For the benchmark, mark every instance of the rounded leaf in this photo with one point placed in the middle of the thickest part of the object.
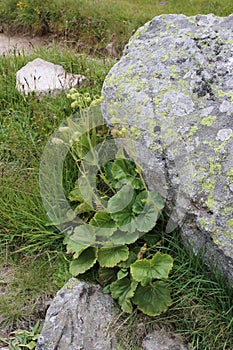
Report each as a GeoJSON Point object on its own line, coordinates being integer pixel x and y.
{"type": "Point", "coordinates": [147, 219]}
{"type": "Point", "coordinates": [121, 199]}
{"type": "Point", "coordinates": [84, 262]}
{"type": "Point", "coordinates": [123, 290]}
{"type": "Point", "coordinates": [139, 203]}
{"type": "Point", "coordinates": [153, 299]}
{"type": "Point", "coordinates": [110, 257]}
{"type": "Point", "coordinates": [119, 237]}
{"type": "Point", "coordinates": [102, 219]}
{"type": "Point", "coordinates": [146, 270]}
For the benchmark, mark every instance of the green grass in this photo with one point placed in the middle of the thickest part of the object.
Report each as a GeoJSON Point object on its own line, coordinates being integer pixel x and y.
{"type": "Point", "coordinates": [29, 246]}
{"type": "Point", "coordinates": [93, 24]}
{"type": "Point", "coordinates": [30, 249]}
{"type": "Point", "coordinates": [24, 287]}
{"type": "Point", "coordinates": [202, 310]}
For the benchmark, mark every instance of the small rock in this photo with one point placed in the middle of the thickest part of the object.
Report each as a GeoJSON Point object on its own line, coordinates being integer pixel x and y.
{"type": "Point", "coordinates": [44, 77]}
{"type": "Point", "coordinates": [160, 340]}
{"type": "Point", "coordinates": [79, 318]}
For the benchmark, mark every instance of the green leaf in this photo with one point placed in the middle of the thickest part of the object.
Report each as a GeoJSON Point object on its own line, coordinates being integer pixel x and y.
{"type": "Point", "coordinates": [140, 202]}
{"type": "Point", "coordinates": [102, 219]}
{"type": "Point", "coordinates": [84, 262]}
{"type": "Point", "coordinates": [125, 171]}
{"type": "Point", "coordinates": [123, 290]}
{"type": "Point", "coordinates": [108, 174]}
{"type": "Point", "coordinates": [82, 238]}
{"type": "Point", "coordinates": [156, 199]}
{"type": "Point", "coordinates": [103, 233]}
{"type": "Point", "coordinates": [121, 274]}
{"type": "Point", "coordinates": [86, 185]}
{"type": "Point", "coordinates": [123, 168]}
{"type": "Point", "coordinates": [104, 225]}
{"type": "Point", "coordinates": [131, 259]}
{"type": "Point", "coordinates": [106, 289]}
{"type": "Point", "coordinates": [145, 270]}
{"type": "Point", "coordinates": [83, 208]}
{"type": "Point", "coordinates": [147, 219]}
{"type": "Point", "coordinates": [75, 195]}
{"type": "Point", "coordinates": [30, 346]}
{"type": "Point", "coordinates": [152, 238]}
{"type": "Point", "coordinates": [120, 238]}
{"type": "Point", "coordinates": [152, 299]}
{"type": "Point", "coordinates": [107, 275]}
{"type": "Point", "coordinates": [121, 199]}
{"type": "Point", "coordinates": [123, 217]}
{"type": "Point", "coordinates": [110, 257]}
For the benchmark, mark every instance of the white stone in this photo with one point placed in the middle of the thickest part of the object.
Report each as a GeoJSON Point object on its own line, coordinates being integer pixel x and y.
{"type": "Point", "coordinates": [43, 77]}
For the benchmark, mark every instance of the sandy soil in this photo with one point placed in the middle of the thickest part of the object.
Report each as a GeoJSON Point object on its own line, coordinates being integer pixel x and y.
{"type": "Point", "coordinates": [9, 45]}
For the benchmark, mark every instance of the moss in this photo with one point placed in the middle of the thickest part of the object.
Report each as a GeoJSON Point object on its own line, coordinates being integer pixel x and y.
{"type": "Point", "coordinates": [71, 284]}
{"type": "Point", "coordinates": [208, 121]}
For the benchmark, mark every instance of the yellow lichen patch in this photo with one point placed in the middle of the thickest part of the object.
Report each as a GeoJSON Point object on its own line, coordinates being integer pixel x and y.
{"type": "Point", "coordinates": [230, 223]}
{"type": "Point", "coordinates": [230, 175]}
{"type": "Point", "coordinates": [209, 186]}
{"type": "Point", "coordinates": [208, 121]}
{"type": "Point", "coordinates": [211, 202]}
{"type": "Point", "coordinates": [221, 93]}
{"type": "Point", "coordinates": [215, 167]}
{"type": "Point", "coordinates": [193, 130]}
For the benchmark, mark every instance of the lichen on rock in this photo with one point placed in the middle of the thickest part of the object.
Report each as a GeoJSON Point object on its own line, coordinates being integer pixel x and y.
{"type": "Point", "coordinates": [175, 84]}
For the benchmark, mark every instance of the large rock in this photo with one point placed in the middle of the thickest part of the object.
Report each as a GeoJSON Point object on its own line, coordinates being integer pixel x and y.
{"type": "Point", "coordinates": [79, 318]}
{"type": "Point", "coordinates": [43, 77]}
{"type": "Point", "coordinates": [175, 84]}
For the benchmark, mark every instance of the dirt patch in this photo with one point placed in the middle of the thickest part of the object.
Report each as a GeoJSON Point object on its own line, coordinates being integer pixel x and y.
{"type": "Point", "coordinates": [15, 44]}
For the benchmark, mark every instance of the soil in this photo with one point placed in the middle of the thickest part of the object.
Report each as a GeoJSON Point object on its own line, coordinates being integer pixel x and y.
{"type": "Point", "coordinates": [15, 44]}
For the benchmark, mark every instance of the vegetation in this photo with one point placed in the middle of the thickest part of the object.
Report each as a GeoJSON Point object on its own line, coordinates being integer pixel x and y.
{"type": "Point", "coordinates": [92, 25]}
{"type": "Point", "coordinates": [31, 248]}
{"type": "Point", "coordinates": [116, 209]}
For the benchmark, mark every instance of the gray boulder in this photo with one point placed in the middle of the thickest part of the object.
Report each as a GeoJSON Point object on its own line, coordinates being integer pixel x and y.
{"type": "Point", "coordinates": [160, 340]}
{"type": "Point", "coordinates": [79, 318]}
{"type": "Point", "coordinates": [44, 77]}
{"type": "Point", "coordinates": [174, 86]}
